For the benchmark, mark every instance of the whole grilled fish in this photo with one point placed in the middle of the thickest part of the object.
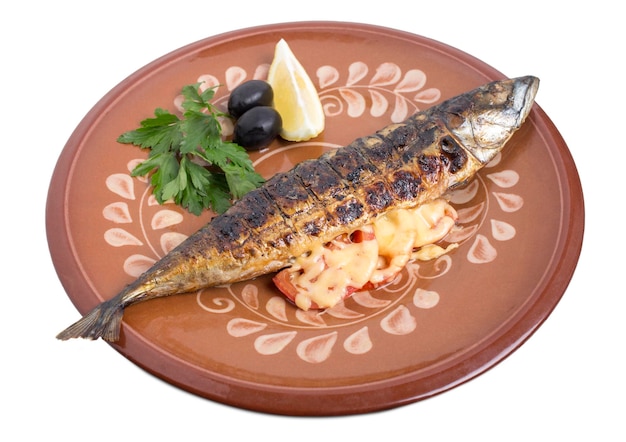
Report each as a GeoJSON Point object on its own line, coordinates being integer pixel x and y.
{"type": "Point", "coordinates": [400, 166]}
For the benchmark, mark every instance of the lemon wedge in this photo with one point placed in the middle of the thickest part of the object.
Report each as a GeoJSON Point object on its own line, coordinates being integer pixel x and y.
{"type": "Point", "coordinates": [295, 96]}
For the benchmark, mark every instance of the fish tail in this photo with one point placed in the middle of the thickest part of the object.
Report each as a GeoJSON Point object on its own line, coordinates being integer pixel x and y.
{"type": "Point", "coordinates": [104, 321]}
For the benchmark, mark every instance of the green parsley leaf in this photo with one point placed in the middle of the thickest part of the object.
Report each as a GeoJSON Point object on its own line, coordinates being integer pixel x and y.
{"type": "Point", "coordinates": [158, 133]}
{"type": "Point", "coordinates": [188, 160]}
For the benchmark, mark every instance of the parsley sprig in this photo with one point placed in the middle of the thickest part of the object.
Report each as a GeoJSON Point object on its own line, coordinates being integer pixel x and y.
{"type": "Point", "coordinates": [189, 161]}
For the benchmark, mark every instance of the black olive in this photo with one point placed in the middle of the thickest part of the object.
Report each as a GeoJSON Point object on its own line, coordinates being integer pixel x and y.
{"type": "Point", "coordinates": [249, 94]}
{"type": "Point", "coordinates": [257, 127]}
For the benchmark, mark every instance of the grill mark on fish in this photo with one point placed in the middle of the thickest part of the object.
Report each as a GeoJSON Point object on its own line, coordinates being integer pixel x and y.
{"type": "Point", "coordinates": [378, 197]}
{"type": "Point", "coordinates": [453, 154]}
{"type": "Point", "coordinates": [402, 165]}
{"type": "Point", "coordinates": [314, 226]}
{"type": "Point", "coordinates": [405, 185]}
{"type": "Point", "coordinates": [368, 182]}
{"type": "Point", "coordinates": [324, 185]}
{"type": "Point", "coordinates": [296, 205]}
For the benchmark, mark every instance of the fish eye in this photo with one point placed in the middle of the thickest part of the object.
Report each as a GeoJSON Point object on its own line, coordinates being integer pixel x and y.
{"type": "Point", "coordinates": [447, 144]}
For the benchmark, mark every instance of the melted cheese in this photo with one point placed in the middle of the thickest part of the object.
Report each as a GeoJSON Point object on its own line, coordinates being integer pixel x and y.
{"type": "Point", "coordinates": [324, 276]}
{"type": "Point", "coordinates": [401, 231]}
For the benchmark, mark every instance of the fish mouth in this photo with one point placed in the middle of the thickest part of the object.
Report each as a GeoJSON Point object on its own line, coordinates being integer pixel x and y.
{"type": "Point", "coordinates": [523, 98]}
{"type": "Point", "coordinates": [498, 110]}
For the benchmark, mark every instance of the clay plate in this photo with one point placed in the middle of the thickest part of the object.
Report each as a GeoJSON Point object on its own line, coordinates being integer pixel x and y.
{"type": "Point", "coordinates": [437, 326]}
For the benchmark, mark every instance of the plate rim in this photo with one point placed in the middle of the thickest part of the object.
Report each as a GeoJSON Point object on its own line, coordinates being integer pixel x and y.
{"type": "Point", "coordinates": [382, 394]}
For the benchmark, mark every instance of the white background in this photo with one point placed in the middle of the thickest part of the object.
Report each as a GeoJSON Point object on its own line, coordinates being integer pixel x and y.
{"type": "Point", "coordinates": [60, 57]}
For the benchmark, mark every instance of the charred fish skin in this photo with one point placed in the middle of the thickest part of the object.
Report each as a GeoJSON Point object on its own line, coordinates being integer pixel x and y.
{"type": "Point", "coordinates": [402, 165]}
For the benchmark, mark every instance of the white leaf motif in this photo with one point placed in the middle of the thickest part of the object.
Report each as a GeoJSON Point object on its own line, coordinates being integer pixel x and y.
{"type": "Point", "coordinates": [207, 81]}
{"type": "Point", "coordinates": [509, 202]}
{"type": "Point", "coordinates": [358, 342]}
{"type": "Point", "coordinates": [122, 185]}
{"type": "Point", "coordinates": [366, 299]}
{"type": "Point", "coordinates": [317, 349]}
{"type": "Point", "coordinates": [400, 111]}
{"type": "Point", "coordinates": [170, 240]}
{"type": "Point", "coordinates": [379, 103]}
{"type": "Point", "coordinates": [481, 251]}
{"type": "Point", "coordinates": [399, 322]}
{"type": "Point", "coordinates": [260, 73]}
{"type": "Point", "coordinates": [118, 213]}
{"type": "Point", "coordinates": [356, 102]}
{"type": "Point", "coordinates": [250, 295]}
{"type": "Point", "coordinates": [235, 75]}
{"type": "Point", "coordinates": [239, 327]}
{"type": "Point", "coordinates": [469, 214]}
{"type": "Point", "coordinates": [119, 237]}
{"type": "Point", "coordinates": [413, 80]}
{"type": "Point", "coordinates": [425, 298]}
{"type": "Point", "coordinates": [464, 195]}
{"type": "Point", "coordinates": [277, 307]}
{"type": "Point", "coordinates": [505, 178]}
{"type": "Point", "coordinates": [356, 72]}
{"type": "Point", "coordinates": [165, 218]}
{"type": "Point", "coordinates": [228, 127]}
{"type": "Point", "coordinates": [272, 344]}
{"type": "Point", "coordinates": [327, 75]}
{"type": "Point", "coordinates": [135, 265]}
{"type": "Point", "coordinates": [460, 234]}
{"type": "Point", "coordinates": [428, 96]}
{"type": "Point", "coordinates": [386, 74]}
{"type": "Point", "coordinates": [342, 312]}
{"type": "Point", "coordinates": [502, 231]}
{"type": "Point", "coordinates": [178, 102]}
{"type": "Point", "coordinates": [312, 317]}
{"type": "Point", "coordinates": [131, 166]}
{"type": "Point", "coordinates": [152, 201]}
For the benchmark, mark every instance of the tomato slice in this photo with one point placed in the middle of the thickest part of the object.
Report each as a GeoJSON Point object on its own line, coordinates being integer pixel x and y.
{"type": "Point", "coordinates": [283, 282]}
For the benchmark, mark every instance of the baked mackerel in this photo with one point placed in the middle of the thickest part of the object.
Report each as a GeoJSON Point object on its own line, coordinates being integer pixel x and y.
{"type": "Point", "coordinates": [401, 166]}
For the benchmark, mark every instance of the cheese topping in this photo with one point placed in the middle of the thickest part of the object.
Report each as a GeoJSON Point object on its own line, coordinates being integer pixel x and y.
{"type": "Point", "coordinates": [373, 255]}
{"type": "Point", "coordinates": [324, 275]}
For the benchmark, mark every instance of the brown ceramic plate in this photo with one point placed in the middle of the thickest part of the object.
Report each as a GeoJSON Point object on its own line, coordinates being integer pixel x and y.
{"type": "Point", "coordinates": [439, 325]}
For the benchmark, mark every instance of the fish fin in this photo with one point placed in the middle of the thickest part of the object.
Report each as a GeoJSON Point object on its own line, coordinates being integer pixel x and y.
{"type": "Point", "coordinates": [104, 321]}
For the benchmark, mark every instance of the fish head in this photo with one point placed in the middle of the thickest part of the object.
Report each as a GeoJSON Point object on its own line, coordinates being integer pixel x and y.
{"type": "Point", "coordinates": [484, 119]}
